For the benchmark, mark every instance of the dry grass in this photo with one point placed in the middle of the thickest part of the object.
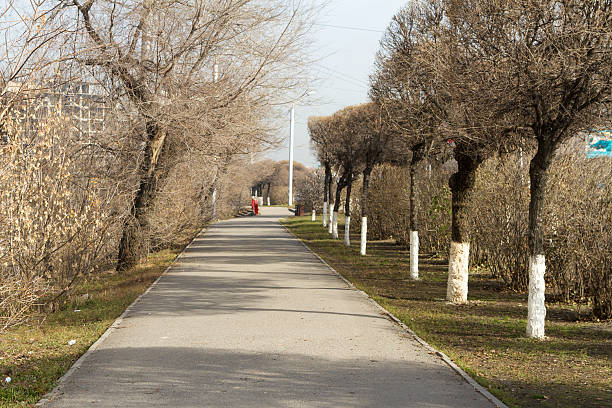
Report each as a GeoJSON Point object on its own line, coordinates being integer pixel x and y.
{"type": "Point", "coordinates": [35, 355]}
{"type": "Point", "coordinates": [571, 368]}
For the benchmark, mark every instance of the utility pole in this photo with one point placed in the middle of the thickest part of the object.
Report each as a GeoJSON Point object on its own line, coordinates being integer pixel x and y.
{"type": "Point", "coordinates": [291, 137]}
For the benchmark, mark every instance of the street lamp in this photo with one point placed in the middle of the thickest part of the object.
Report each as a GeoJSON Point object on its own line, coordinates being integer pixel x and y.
{"type": "Point", "coordinates": [291, 140]}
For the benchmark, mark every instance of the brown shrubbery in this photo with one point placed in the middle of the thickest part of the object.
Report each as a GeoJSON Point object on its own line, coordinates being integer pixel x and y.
{"type": "Point", "coordinates": [390, 206]}
{"type": "Point", "coordinates": [54, 220]}
{"type": "Point", "coordinates": [578, 241]}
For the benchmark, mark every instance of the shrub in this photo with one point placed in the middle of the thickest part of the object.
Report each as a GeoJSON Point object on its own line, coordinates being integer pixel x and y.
{"type": "Point", "coordinates": [53, 225]}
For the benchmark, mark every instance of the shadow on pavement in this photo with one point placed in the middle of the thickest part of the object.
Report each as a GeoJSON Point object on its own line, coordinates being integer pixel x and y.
{"type": "Point", "coordinates": [192, 377]}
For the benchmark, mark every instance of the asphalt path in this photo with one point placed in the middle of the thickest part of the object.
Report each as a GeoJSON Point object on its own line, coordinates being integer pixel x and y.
{"type": "Point", "coordinates": [248, 317]}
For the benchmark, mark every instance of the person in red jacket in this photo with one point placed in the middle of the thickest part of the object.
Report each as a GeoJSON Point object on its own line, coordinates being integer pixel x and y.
{"type": "Point", "coordinates": [254, 206]}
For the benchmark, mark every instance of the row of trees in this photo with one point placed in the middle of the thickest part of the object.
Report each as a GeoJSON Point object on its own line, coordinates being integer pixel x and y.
{"type": "Point", "coordinates": [472, 79]}
{"type": "Point", "coordinates": [271, 183]}
{"type": "Point", "coordinates": [184, 93]}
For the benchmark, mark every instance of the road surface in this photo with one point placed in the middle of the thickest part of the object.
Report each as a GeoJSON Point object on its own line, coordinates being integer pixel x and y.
{"type": "Point", "coordinates": [249, 318]}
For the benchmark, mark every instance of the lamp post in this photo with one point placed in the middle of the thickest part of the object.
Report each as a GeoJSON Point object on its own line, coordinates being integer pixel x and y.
{"type": "Point", "coordinates": [291, 138]}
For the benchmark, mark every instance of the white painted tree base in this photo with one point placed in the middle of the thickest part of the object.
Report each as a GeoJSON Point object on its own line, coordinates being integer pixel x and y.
{"type": "Point", "coordinates": [536, 306]}
{"type": "Point", "coordinates": [347, 231]}
{"type": "Point", "coordinates": [364, 235]}
{"type": "Point", "coordinates": [268, 201]}
{"type": "Point", "coordinates": [260, 201]}
{"type": "Point", "coordinates": [414, 255]}
{"type": "Point", "coordinates": [314, 215]}
{"type": "Point", "coordinates": [335, 225]}
{"type": "Point", "coordinates": [457, 287]}
{"type": "Point", "coordinates": [330, 223]}
{"type": "Point", "coordinates": [325, 214]}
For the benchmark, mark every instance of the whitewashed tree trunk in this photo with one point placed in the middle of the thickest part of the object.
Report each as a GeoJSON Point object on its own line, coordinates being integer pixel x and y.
{"type": "Point", "coordinates": [536, 308]}
{"type": "Point", "coordinates": [330, 224]}
{"type": "Point", "coordinates": [335, 225]}
{"type": "Point", "coordinates": [364, 235]}
{"type": "Point", "coordinates": [347, 231]}
{"type": "Point", "coordinates": [268, 201]}
{"type": "Point", "coordinates": [414, 255]}
{"type": "Point", "coordinates": [314, 215]}
{"type": "Point", "coordinates": [260, 201]}
{"type": "Point", "coordinates": [457, 288]}
{"type": "Point", "coordinates": [325, 214]}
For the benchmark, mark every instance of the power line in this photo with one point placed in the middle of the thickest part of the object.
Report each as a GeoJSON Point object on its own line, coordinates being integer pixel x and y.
{"type": "Point", "coordinates": [342, 75]}
{"type": "Point", "coordinates": [349, 28]}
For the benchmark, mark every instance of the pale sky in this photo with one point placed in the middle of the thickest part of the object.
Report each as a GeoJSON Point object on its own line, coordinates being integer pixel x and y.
{"type": "Point", "coordinates": [346, 59]}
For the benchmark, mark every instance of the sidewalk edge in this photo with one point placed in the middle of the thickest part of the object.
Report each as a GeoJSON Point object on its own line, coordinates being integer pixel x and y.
{"type": "Point", "coordinates": [479, 388]}
{"type": "Point", "coordinates": [57, 390]}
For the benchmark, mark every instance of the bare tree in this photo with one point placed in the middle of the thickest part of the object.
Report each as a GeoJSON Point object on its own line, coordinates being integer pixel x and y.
{"type": "Point", "coordinates": [339, 140]}
{"type": "Point", "coordinates": [160, 55]}
{"type": "Point", "coordinates": [320, 132]}
{"type": "Point", "coordinates": [556, 56]}
{"type": "Point", "coordinates": [401, 87]}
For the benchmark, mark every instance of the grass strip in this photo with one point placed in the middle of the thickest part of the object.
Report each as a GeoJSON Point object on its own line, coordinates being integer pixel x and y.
{"type": "Point", "coordinates": [571, 368]}
{"type": "Point", "coordinates": [36, 355]}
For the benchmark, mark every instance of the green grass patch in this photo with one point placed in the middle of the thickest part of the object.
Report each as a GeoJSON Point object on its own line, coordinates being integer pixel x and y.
{"type": "Point", "coordinates": [486, 337]}
{"type": "Point", "coordinates": [37, 354]}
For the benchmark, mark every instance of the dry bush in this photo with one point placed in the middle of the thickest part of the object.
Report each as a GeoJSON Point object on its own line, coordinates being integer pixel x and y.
{"type": "Point", "coordinates": [499, 218]}
{"type": "Point", "coordinates": [181, 205]}
{"type": "Point", "coordinates": [53, 225]}
{"type": "Point", "coordinates": [578, 239]}
{"type": "Point", "coordinates": [389, 205]}
{"type": "Point", "coordinates": [434, 211]}
{"type": "Point", "coordinates": [309, 191]}
{"type": "Point", "coordinates": [579, 234]}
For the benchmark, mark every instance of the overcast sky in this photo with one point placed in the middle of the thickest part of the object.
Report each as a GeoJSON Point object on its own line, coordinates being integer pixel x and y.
{"type": "Point", "coordinates": [346, 59]}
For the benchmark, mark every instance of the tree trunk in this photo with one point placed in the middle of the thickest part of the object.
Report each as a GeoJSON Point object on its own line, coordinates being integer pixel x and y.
{"type": "Point", "coordinates": [347, 211]}
{"type": "Point", "coordinates": [268, 194]}
{"type": "Point", "coordinates": [364, 210]}
{"type": "Point", "coordinates": [414, 231]}
{"type": "Point", "coordinates": [134, 241]}
{"type": "Point", "coordinates": [339, 188]}
{"type": "Point", "coordinates": [330, 224]}
{"type": "Point", "coordinates": [325, 192]}
{"type": "Point", "coordinates": [462, 186]}
{"type": "Point", "coordinates": [538, 174]}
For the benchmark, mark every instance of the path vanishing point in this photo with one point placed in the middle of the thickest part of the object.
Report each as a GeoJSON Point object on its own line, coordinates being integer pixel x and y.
{"type": "Point", "coordinates": [248, 317]}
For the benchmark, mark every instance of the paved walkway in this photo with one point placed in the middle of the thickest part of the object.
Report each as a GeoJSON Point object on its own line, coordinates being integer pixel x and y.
{"type": "Point", "coordinates": [249, 318]}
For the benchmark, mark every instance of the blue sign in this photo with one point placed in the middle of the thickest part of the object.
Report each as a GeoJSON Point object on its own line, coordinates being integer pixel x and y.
{"type": "Point", "coordinates": [599, 144]}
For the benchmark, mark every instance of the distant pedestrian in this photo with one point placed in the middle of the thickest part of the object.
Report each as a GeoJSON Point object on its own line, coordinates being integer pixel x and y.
{"type": "Point", "coordinates": [254, 206]}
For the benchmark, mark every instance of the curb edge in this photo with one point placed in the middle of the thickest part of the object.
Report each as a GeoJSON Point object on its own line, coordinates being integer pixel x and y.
{"type": "Point", "coordinates": [479, 388]}
{"type": "Point", "coordinates": [57, 389]}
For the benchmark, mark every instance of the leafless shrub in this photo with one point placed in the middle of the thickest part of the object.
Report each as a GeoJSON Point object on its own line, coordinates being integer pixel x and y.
{"type": "Point", "coordinates": [577, 239]}
{"type": "Point", "coordinates": [53, 224]}
{"type": "Point", "coordinates": [390, 206]}
{"type": "Point", "coordinates": [309, 191]}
